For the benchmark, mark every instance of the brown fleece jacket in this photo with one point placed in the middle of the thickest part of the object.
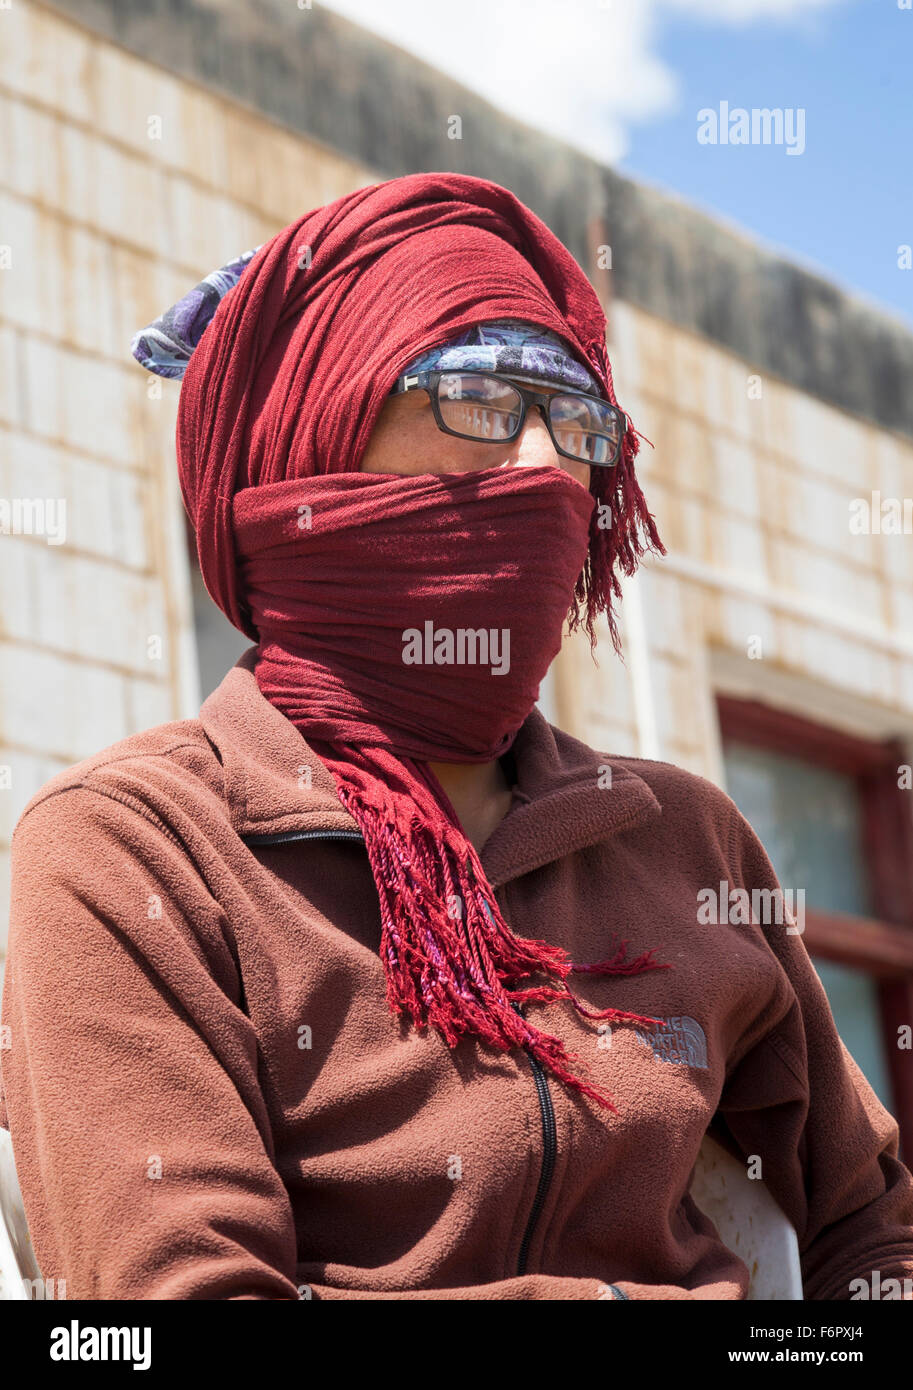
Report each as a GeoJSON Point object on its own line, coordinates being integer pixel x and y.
{"type": "Point", "coordinates": [209, 1098]}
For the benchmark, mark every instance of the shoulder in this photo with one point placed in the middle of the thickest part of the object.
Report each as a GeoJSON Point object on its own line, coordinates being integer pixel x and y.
{"type": "Point", "coordinates": [693, 810]}
{"type": "Point", "coordinates": [699, 815]}
{"type": "Point", "coordinates": [699, 823]}
{"type": "Point", "coordinates": [144, 772]}
{"type": "Point", "coordinates": [680, 791]}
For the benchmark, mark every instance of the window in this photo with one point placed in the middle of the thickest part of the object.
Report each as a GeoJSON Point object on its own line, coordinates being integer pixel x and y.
{"type": "Point", "coordinates": [831, 814]}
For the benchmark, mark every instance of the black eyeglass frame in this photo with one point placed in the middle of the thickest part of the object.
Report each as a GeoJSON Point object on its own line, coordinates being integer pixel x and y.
{"type": "Point", "coordinates": [424, 380]}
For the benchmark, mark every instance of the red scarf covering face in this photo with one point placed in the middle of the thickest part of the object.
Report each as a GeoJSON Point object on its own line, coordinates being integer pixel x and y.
{"type": "Point", "coordinates": [404, 619]}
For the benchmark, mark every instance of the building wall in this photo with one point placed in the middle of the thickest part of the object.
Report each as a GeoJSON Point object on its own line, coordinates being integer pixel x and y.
{"type": "Point", "coordinates": [765, 592]}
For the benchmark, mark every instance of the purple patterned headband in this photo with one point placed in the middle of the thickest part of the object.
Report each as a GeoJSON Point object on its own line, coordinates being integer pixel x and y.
{"type": "Point", "coordinates": [506, 345]}
{"type": "Point", "coordinates": [166, 345]}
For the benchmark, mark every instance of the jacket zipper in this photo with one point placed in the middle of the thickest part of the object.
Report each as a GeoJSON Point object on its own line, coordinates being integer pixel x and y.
{"type": "Point", "coordinates": [549, 1149]}
{"type": "Point", "coordinates": [302, 835]}
{"type": "Point", "coordinates": [546, 1109]}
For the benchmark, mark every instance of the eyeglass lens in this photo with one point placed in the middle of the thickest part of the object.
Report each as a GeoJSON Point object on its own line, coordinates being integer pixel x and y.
{"type": "Point", "coordinates": [482, 407]}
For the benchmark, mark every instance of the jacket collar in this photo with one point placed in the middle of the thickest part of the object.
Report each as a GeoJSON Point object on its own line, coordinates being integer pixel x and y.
{"type": "Point", "coordinates": [274, 783]}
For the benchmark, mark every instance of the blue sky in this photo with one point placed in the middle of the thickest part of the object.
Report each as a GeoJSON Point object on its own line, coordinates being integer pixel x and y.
{"type": "Point", "coordinates": [625, 79]}
{"type": "Point", "coordinates": [846, 203]}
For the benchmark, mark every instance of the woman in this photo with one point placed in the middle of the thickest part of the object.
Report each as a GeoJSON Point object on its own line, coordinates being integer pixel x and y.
{"type": "Point", "coordinates": [327, 993]}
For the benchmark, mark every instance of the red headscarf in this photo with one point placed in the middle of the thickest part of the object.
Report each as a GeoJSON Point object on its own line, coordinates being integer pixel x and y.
{"type": "Point", "coordinates": [284, 389]}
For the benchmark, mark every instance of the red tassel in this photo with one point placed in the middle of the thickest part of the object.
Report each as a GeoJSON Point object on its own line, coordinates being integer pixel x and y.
{"type": "Point", "coordinates": [450, 971]}
{"type": "Point", "coordinates": [631, 529]}
{"type": "Point", "coordinates": [619, 966]}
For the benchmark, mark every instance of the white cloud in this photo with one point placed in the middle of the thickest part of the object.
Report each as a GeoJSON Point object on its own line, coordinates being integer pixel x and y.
{"type": "Point", "coordinates": [749, 11]}
{"type": "Point", "coordinates": [584, 70]}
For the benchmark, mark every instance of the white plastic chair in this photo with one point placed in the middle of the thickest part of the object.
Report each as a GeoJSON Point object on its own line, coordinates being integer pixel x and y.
{"type": "Point", "coordinates": [743, 1211]}
{"type": "Point", "coordinates": [20, 1277]}
{"type": "Point", "coordinates": [749, 1222]}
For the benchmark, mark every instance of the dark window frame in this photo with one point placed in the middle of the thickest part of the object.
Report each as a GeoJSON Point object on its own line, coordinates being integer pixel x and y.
{"type": "Point", "coordinates": [882, 946]}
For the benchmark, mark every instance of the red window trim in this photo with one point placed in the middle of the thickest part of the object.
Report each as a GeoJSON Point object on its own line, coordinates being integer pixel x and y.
{"type": "Point", "coordinates": [882, 946]}
{"type": "Point", "coordinates": [866, 943]}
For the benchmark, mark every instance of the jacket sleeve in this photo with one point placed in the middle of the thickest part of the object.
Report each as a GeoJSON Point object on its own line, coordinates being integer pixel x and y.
{"type": "Point", "coordinates": [130, 1080]}
{"type": "Point", "coordinates": [130, 1088]}
{"type": "Point", "coordinates": [795, 1098]}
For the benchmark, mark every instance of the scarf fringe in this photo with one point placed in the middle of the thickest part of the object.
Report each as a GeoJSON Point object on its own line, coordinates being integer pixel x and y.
{"type": "Point", "coordinates": [449, 955]}
{"type": "Point", "coordinates": [631, 534]}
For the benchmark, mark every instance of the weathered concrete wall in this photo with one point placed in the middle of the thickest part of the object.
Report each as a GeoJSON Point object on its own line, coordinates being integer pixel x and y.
{"type": "Point", "coordinates": [766, 591]}
{"type": "Point", "coordinates": [324, 77]}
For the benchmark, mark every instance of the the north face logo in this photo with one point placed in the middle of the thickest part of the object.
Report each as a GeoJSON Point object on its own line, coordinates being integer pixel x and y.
{"type": "Point", "coordinates": [682, 1040]}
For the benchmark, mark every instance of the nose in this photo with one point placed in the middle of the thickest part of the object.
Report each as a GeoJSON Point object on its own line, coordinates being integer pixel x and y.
{"type": "Point", "coordinates": [533, 446]}
{"type": "Point", "coordinates": [534, 440]}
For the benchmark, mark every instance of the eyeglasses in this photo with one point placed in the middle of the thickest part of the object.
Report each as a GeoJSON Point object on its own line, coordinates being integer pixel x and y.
{"type": "Point", "coordinates": [486, 405]}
